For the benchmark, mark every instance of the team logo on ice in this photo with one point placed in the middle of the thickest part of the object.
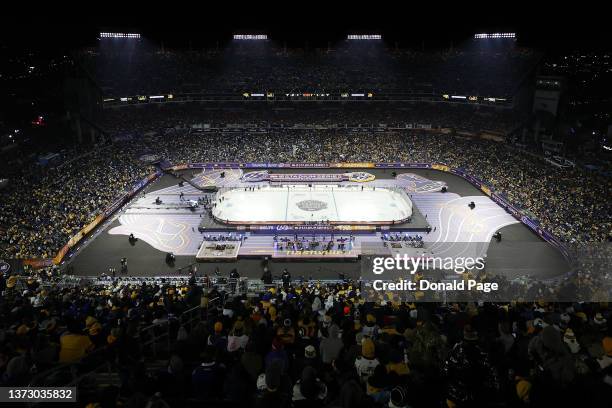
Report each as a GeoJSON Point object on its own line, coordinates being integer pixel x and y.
{"type": "Point", "coordinates": [311, 205]}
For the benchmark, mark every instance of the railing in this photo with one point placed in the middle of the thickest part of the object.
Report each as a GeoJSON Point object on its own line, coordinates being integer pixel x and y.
{"type": "Point", "coordinates": [74, 372]}
{"type": "Point", "coordinates": [223, 284]}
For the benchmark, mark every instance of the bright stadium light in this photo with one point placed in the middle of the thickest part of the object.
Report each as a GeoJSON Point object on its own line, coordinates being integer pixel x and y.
{"type": "Point", "coordinates": [364, 37]}
{"type": "Point", "coordinates": [119, 35]}
{"type": "Point", "coordinates": [250, 37]}
{"type": "Point", "coordinates": [494, 35]}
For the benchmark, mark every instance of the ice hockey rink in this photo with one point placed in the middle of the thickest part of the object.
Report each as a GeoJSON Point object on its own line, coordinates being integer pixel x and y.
{"type": "Point", "coordinates": [321, 203]}
{"type": "Point", "coordinates": [456, 229]}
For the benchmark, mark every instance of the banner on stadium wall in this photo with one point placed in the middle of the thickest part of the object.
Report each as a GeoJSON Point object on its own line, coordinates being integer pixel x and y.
{"type": "Point", "coordinates": [305, 165]}
{"type": "Point", "coordinates": [547, 236]}
{"type": "Point", "coordinates": [353, 165]}
{"type": "Point", "coordinates": [61, 253]}
{"type": "Point", "coordinates": [224, 165]}
{"type": "Point", "coordinates": [113, 207]}
{"type": "Point", "coordinates": [530, 223]}
{"type": "Point", "coordinates": [180, 167]}
{"type": "Point", "coordinates": [144, 182]}
{"type": "Point", "coordinates": [333, 177]}
{"type": "Point", "coordinates": [38, 263]}
{"type": "Point", "coordinates": [188, 166]}
{"type": "Point", "coordinates": [92, 225]}
{"type": "Point", "coordinates": [77, 238]}
{"type": "Point", "coordinates": [554, 241]}
{"type": "Point", "coordinates": [473, 180]}
{"type": "Point", "coordinates": [230, 165]}
{"type": "Point", "coordinates": [302, 165]}
{"type": "Point", "coordinates": [440, 167]}
{"type": "Point", "coordinates": [403, 165]}
{"type": "Point", "coordinates": [476, 182]}
{"type": "Point", "coordinates": [514, 211]}
{"type": "Point", "coordinates": [120, 201]}
{"type": "Point", "coordinates": [286, 228]}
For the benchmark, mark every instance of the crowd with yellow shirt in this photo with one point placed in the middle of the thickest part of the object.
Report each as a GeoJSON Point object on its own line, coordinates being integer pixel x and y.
{"type": "Point", "coordinates": [42, 209]}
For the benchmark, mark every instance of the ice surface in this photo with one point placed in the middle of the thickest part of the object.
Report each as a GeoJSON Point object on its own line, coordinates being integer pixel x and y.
{"type": "Point", "coordinates": [298, 203]}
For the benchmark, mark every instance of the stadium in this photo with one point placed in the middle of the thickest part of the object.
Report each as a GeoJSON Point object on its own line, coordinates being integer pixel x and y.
{"type": "Point", "coordinates": [278, 218]}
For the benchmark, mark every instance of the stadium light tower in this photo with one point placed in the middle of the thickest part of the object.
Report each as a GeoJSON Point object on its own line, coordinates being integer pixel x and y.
{"type": "Point", "coordinates": [119, 35]}
{"type": "Point", "coordinates": [251, 37]}
{"type": "Point", "coordinates": [494, 35]}
{"type": "Point", "coordinates": [364, 37]}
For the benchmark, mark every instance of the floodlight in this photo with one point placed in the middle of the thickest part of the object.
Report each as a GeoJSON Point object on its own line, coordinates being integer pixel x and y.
{"type": "Point", "coordinates": [494, 35]}
{"type": "Point", "coordinates": [119, 35]}
{"type": "Point", "coordinates": [364, 37]}
{"type": "Point", "coordinates": [250, 37]}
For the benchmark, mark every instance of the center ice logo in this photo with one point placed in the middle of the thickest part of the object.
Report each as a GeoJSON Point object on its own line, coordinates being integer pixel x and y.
{"type": "Point", "coordinates": [311, 205]}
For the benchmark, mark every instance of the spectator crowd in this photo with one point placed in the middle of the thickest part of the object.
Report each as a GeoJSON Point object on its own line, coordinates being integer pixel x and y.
{"type": "Point", "coordinates": [303, 344]}
{"type": "Point", "coordinates": [488, 71]}
{"type": "Point", "coordinates": [41, 210]}
{"type": "Point", "coordinates": [571, 203]}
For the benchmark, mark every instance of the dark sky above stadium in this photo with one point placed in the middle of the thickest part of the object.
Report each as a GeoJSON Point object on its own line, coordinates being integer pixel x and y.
{"type": "Point", "coordinates": [553, 26]}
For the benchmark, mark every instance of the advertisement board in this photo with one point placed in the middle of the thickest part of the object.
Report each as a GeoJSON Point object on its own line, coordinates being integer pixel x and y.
{"type": "Point", "coordinates": [290, 229]}
{"type": "Point", "coordinates": [353, 165]}
{"type": "Point", "coordinates": [440, 167]}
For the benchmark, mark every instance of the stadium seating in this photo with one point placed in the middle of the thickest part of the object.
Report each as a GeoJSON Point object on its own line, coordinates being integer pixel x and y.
{"type": "Point", "coordinates": [305, 344]}
{"type": "Point", "coordinates": [41, 211]}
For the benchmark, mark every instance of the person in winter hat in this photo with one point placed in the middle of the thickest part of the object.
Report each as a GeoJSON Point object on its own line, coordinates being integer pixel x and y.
{"type": "Point", "coordinates": [367, 362]}
{"type": "Point", "coordinates": [309, 391]}
{"type": "Point", "coordinates": [570, 340]}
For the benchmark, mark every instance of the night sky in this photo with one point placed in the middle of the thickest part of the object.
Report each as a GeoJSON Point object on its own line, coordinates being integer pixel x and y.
{"type": "Point", "coordinates": [556, 27]}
